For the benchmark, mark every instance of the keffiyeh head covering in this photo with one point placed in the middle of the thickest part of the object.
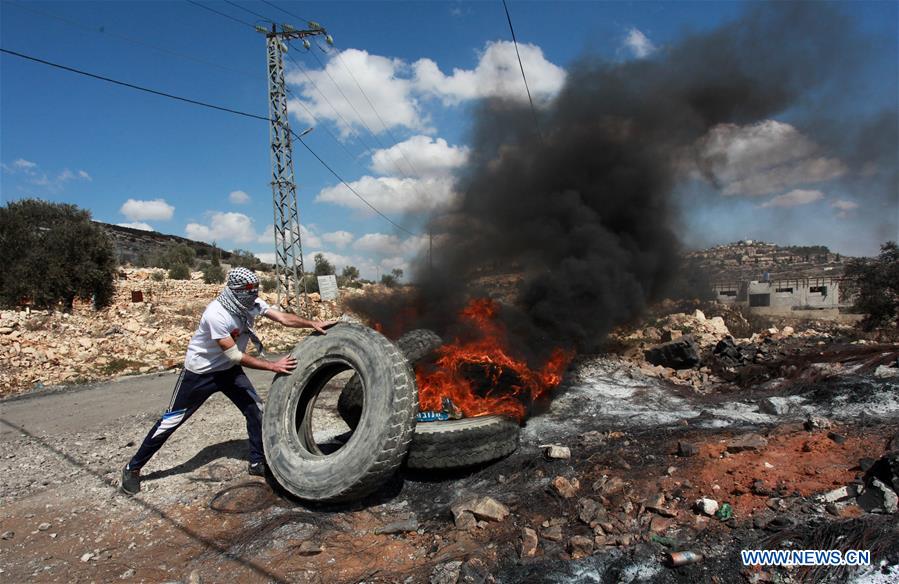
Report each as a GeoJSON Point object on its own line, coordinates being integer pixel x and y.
{"type": "Point", "coordinates": [238, 297]}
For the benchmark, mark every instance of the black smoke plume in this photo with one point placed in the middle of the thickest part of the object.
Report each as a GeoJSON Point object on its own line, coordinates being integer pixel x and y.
{"type": "Point", "coordinates": [585, 214]}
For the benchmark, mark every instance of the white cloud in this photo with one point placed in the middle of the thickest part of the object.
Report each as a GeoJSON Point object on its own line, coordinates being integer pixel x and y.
{"type": "Point", "coordinates": [233, 227]}
{"type": "Point", "coordinates": [844, 207]}
{"type": "Point", "coordinates": [156, 209]}
{"type": "Point", "coordinates": [380, 79]}
{"type": "Point", "coordinates": [383, 245]}
{"type": "Point", "coordinates": [137, 225]}
{"type": "Point", "coordinates": [764, 158]}
{"type": "Point", "coordinates": [39, 178]}
{"type": "Point", "coordinates": [266, 256]}
{"type": "Point", "coordinates": [339, 239]}
{"type": "Point", "coordinates": [24, 165]}
{"type": "Point", "coordinates": [308, 237]}
{"type": "Point", "coordinates": [238, 197]}
{"type": "Point", "coordinates": [794, 198]}
{"type": "Point", "coordinates": [497, 74]}
{"type": "Point", "coordinates": [638, 43]}
{"type": "Point", "coordinates": [392, 195]}
{"type": "Point", "coordinates": [419, 156]}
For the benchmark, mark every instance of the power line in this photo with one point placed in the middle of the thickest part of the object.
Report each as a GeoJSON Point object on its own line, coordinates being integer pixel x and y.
{"type": "Point", "coordinates": [372, 106]}
{"type": "Point", "coordinates": [133, 86]}
{"type": "Point", "coordinates": [210, 106]}
{"type": "Point", "coordinates": [285, 11]}
{"type": "Point", "coordinates": [347, 185]}
{"type": "Point", "coordinates": [328, 101]}
{"type": "Point", "coordinates": [521, 66]}
{"type": "Point", "coordinates": [256, 14]}
{"type": "Point", "coordinates": [226, 15]}
{"type": "Point", "coordinates": [339, 89]}
{"type": "Point", "coordinates": [103, 32]}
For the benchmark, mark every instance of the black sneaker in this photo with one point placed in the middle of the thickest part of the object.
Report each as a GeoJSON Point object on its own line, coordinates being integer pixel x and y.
{"type": "Point", "coordinates": [256, 469]}
{"type": "Point", "coordinates": [130, 481]}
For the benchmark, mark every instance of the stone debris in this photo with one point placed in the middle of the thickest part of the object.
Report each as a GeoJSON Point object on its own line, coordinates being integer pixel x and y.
{"type": "Point", "coordinates": [529, 543]}
{"type": "Point", "coordinates": [557, 452]}
{"type": "Point", "coordinates": [580, 547]}
{"type": "Point", "coordinates": [447, 573]}
{"type": "Point", "coordinates": [706, 506]}
{"type": "Point", "coordinates": [41, 348]}
{"type": "Point", "coordinates": [750, 442]}
{"type": "Point", "coordinates": [878, 498]}
{"type": "Point", "coordinates": [775, 406]}
{"type": "Point", "coordinates": [566, 488]}
{"type": "Point", "coordinates": [815, 423]}
{"type": "Point", "coordinates": [404, 526]}
{"type": "Point", "coordinates": [687, 449]}
{"type": "Point", "coordinates": [680, 354]}
{"type": "Point", "coordinates": [886, 372]}
{"type": "Point", "coordinates": [483, 508]}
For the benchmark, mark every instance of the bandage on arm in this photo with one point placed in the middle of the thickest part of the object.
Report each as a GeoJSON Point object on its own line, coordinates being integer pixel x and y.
{"type": "Point", "coordinates": [233, 354]}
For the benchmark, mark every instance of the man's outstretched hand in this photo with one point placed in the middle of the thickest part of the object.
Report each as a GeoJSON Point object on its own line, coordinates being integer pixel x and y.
{"type": "Point", "coordinates": [285, 364]}
{"type": "Point", "coordinates": [322, 325]}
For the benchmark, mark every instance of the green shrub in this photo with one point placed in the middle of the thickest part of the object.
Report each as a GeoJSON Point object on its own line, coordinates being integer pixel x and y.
{"type": "Point", "coordinates": [213, 274]}
{"type": "Point", "coordinates": [158, 276]}
{"type": "Point", "coordinates": [269, 284]}
{"type": "Point", "coordinates": [875, 286]}
{"type": "Point", "coordinates": [241, 258]}
{"type": "Point", "coordinates": [179, 272]}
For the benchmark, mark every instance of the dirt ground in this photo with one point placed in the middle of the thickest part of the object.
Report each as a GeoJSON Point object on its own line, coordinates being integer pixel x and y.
{"type": "Point", "coordinates": [201, 518]}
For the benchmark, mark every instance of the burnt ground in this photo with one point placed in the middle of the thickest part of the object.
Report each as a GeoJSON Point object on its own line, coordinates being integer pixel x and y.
{"type": "Point", "coordinates": [201, 518]}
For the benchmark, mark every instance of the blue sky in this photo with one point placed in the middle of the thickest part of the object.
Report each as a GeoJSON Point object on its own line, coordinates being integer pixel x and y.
{"type": "Point", "coordinates": [139, 159]}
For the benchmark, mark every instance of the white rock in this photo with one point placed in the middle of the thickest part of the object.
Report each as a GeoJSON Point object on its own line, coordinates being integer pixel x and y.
{"type": "Point", "coordinates": [706, 506]}
{"type": "Point", "coordinates": [776, 406]}
{"type": "Point", "coordinates": [885, 372]}
{"type": "Point", "coordinates": [86, 557]}
{"type": "Point", "coordinates": [558, 452]}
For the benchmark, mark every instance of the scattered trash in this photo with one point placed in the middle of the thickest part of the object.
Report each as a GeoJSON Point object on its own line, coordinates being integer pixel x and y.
{"type": "Point", "coordinates": [725, 512]}
{"type": "Point", "coordinates": [662, 540]}
{"type": "Point", "coordinates": [676, 559]}
{"type": "Point", "coordinates": [451, 409]}
{"type": "Point", "coordinates": [431, 416]}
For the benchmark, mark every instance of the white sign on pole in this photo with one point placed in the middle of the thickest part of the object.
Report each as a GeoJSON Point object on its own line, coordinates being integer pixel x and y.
{"type": "Point", "coordinates": [327, 287]}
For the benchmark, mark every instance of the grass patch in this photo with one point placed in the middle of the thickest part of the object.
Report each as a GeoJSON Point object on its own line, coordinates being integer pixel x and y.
{"type": "Point", "coordinates": [118, 365]}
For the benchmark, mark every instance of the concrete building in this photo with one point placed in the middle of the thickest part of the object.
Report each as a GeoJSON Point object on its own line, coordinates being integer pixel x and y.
{"type": "Point", "coordinates": [798, 297]}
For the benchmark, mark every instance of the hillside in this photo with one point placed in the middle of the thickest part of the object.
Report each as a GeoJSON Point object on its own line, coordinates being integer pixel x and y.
{"type": "Point", "coordinates": [750, 260]}
{"type": "Point", "coordinates": [134, 246]}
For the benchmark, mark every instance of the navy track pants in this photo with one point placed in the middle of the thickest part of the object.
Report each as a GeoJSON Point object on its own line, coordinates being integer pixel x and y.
{"type": "Point", "coordinates": [191, 390]}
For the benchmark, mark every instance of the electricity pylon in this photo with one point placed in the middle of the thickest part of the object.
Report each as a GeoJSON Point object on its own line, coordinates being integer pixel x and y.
{"type": "Point", "coordinates": [288, 244]}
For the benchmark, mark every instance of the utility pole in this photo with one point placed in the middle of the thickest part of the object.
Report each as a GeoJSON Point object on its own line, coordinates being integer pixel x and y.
{"type": "Point", "coordinates": [288, 245]}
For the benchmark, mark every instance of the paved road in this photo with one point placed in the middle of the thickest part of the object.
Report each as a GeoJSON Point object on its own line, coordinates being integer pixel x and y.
{"type": "Point", "coordinates": [95, 405]}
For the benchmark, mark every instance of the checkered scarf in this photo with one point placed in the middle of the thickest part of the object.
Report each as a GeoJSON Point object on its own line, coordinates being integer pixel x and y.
{"type": "Point", "coordinates": [238, 299]}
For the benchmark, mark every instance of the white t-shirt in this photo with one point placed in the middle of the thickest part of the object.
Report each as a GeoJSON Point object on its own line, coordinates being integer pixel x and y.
{"type": "Point", "coordinates": [204, 355]}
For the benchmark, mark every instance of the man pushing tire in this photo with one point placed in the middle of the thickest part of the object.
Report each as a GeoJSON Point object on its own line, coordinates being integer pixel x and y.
{"type": "Point", "coordinates": [214, 362]}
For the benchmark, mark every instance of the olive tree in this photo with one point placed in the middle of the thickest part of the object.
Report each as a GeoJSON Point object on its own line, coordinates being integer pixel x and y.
{"type": "Point", "coordinates": [52, 253]}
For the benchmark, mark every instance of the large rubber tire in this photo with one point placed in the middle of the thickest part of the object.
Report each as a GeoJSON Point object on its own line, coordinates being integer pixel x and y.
{"type": "Point", "coordinates": [380, 442]}
{"type": "Point", "coordinates": [465, 442]}
{"type": "Point", "coordinates": [415, 345]}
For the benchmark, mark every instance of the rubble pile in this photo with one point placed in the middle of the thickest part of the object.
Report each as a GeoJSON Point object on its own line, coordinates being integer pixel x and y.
{"type": "Point", "coordinates": [695, 351]}
{"type": "Point", "coordinates": [146, 328]}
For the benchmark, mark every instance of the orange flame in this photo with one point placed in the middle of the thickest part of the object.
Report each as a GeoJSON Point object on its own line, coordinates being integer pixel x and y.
{"type": "Point", "coordinates": [510, 382]}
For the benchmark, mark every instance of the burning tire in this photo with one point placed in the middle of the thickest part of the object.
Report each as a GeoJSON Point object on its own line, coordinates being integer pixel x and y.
{"type": "Point", "coordinates": [415, 345]}
{"type": "Point", "coordinates": [456, 443]}
{"type": "Point", "coordinates": [379, 443]}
